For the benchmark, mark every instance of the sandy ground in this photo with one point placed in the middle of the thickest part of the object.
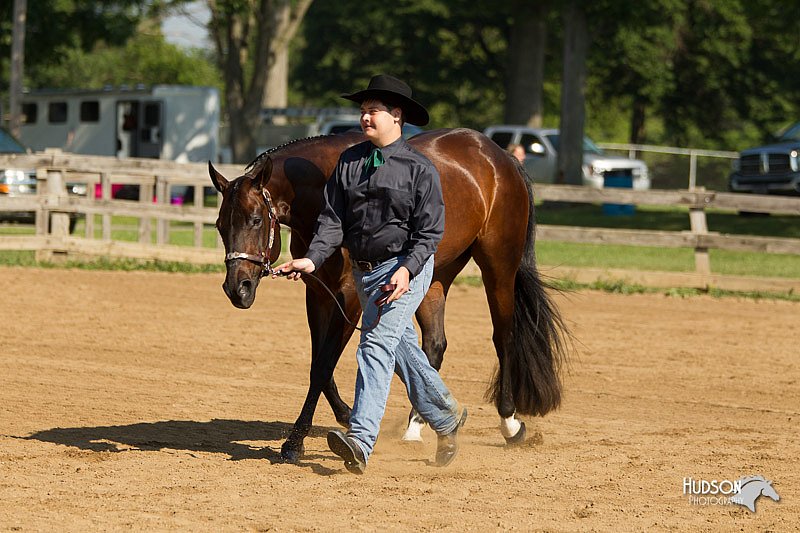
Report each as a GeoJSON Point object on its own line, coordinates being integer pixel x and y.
{"type": "Point", "coordinates": [146, 401]}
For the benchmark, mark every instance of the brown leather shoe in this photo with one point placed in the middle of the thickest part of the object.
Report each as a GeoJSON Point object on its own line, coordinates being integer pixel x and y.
{"type": "Point", "coordinates": [447, 445]}
{"type": "Point", "coordinates": [346, 448]}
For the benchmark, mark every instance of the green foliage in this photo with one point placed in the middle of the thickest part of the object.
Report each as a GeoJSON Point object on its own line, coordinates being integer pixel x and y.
{"type": "Point", "coordinates": [704, 73]}
{"type": "Point", "coordinates": [85, 44]}
{"type": "Point", "coordinates": [147, 59]}
{"type": "Point", "coordinates": [451, 52]}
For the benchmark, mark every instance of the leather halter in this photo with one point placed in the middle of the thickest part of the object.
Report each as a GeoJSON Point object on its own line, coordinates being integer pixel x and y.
{"type": "Point", "coordinates": [263, 257]}
{"type": "Point", "coordinates": [264, 260]}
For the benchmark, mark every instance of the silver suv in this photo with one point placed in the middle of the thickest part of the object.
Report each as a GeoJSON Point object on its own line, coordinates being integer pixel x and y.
{"type": "Point", "coordinates": [22, 182]}
{"type": "Point", "coordinates": [541, 157]}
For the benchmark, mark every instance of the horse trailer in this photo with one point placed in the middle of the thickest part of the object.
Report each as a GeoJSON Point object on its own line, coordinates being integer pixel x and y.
{"type": "Point", "coordinates": [177, 123]}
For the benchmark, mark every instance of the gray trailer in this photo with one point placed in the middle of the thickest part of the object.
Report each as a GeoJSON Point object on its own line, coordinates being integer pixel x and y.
{"type": "Point", "coordinates": [177, 123]}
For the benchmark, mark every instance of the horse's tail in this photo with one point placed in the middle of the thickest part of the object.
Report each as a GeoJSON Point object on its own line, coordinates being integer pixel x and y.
{"type": "Point", "coordinates": [536, 349]}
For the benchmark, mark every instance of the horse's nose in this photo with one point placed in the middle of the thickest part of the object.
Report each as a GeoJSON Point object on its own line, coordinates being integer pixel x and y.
{"type": "Point", "coordinates": [245, 289]}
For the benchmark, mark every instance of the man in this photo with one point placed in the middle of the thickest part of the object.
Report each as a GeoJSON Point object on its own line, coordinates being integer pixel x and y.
{"type": "Point", "coordinates": [384, 204]}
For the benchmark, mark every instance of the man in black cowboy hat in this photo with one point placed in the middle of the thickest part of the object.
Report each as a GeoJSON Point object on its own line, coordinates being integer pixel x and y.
{"type": "Point", "coordinates": [384, 204]}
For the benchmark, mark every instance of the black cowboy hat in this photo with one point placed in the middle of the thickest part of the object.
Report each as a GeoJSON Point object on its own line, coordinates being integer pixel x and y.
{"type": "Point", "coordinates": [394, 92]}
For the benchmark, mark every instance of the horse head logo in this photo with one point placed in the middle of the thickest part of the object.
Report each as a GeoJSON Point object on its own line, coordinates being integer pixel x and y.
{"type": "Point", "coordinates": [751, 488]}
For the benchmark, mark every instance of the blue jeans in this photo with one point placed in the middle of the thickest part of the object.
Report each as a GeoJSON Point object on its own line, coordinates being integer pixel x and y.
{"type": "Point", "coordinates": [393, 347]}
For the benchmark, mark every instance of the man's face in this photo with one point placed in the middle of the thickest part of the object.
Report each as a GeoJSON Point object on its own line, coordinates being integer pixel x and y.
{"type": "Point", "coordinates": [376, 119]}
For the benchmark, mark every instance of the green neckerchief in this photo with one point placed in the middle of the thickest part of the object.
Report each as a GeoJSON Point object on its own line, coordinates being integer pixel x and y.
{"type": "Point", "coordinates": [374, 159]}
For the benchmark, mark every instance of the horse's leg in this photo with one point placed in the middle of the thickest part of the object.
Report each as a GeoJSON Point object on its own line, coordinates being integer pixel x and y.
{"type": "Point", "coordinates": [430, 317]}
{"type": "Point", "coordinates": [498, 273]}
{"type": "Point", "coordinates": [529, 334]}
{"type": "Point", "coordinates": [329, 335]}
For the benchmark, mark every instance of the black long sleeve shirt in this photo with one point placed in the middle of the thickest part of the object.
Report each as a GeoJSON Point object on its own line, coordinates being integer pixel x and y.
{"type": "Point", "coordinates": [396, 209]}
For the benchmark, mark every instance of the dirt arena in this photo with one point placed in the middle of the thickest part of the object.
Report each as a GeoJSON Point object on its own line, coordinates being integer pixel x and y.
{"type": "Point", "coordinates": [145, 401]}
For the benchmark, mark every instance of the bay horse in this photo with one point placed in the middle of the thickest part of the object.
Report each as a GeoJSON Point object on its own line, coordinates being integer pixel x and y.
{"type": "Point", "coordinates": [489, 217]}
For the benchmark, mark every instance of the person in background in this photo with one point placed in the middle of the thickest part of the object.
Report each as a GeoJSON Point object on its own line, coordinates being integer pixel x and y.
{"type": "Point", "coordinates": [517, 150]}
{"type": "Point", "coordinates": [384, 204]}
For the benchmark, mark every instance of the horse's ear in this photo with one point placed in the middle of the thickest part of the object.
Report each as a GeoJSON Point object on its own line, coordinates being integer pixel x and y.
{"type": "Point", "coordinates": [219, 181]}
{"type": "Point", "coordinates": [261, 179]}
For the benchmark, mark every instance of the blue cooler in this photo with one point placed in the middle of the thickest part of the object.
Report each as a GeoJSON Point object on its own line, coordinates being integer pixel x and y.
{"type": "Point", "coordinates": [618, 180]}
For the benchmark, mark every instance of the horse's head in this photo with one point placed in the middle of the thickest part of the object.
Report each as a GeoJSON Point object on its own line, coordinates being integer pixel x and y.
{"type": "Point", "coordinates": [246, 221]}
{"type": "Point", "coordinates": [769, 491]}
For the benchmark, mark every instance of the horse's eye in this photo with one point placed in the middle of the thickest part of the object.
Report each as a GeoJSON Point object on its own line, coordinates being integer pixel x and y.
{"type": "Point", "coordinates": [256, 221]}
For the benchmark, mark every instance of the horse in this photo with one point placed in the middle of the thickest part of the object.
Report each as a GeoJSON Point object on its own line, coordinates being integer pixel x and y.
{"type": "Point", "coordinates": [489, 217]}
{"type": "Point", "coordinates": [753, 487]}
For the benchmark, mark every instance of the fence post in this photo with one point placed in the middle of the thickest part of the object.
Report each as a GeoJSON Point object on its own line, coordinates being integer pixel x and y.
{"type": "Point", "coordinates": [198, 206]}
{"type": "Point", "coordinates": [692, 170]}
{"type": "Point", "coordinates": [105, 195]}
{"type": "Point", "coordinates": [42, 218]}
{"type": "Point", "coordinates": [56, 192]}
{"type": "Point", "coordinates": [162, 199]}
{"type": "Point", "coordinates": [145, 225]}
{"type": "Point", "coordinates": [699, 226]}
{"type": "Point", "coordinates": [90, 195]}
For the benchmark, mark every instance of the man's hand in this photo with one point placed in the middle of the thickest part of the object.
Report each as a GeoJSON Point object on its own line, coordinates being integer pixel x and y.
{"type": "Point", "coordinates": [400, 278]}
{"type": "Point", "coordinates": [295, 267]}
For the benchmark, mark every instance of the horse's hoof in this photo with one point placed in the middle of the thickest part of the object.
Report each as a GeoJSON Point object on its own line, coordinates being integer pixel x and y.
{"type": "Point", "coordinates": [413, 432]}
{"type": "Point", "coordinates": [291, 454]}
{"type": "Point", "coordinates": [517, 439]}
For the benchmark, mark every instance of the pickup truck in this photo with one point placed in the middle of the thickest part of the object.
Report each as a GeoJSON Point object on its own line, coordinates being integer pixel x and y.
{"type": "Point", "coordinates": [541, 157]}
{"type": "Point", "coordinates": [769, 169]}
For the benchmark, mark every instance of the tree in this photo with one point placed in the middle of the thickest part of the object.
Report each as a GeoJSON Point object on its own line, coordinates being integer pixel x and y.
{"type": "Point", "coordinates": [573, 114]}
{"type": "Point", "coordinates": [250, 36]}
{"type": "Point", "coordinates": [639, 72]}
{"type": "Point", "coordinates": [452, 53]}
{"type": "Point", "coordinates": [144, 59]}
{"type": "Point", "coordinates": [526, 56]}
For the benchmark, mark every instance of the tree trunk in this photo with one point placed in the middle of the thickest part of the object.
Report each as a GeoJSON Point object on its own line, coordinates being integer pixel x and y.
{"type": "Point", "coordinates": [526, 52]}
{"type": "Point", "coordinates": [637, 120]}
{"type": "Point", "coordinates": [277, 90]}
{"type": "Point", "coordinates": [573, 114]}
{"type": "Point", "coordinates": [266, 27]}
{"type": "Point", "coordinates": [17, 66]}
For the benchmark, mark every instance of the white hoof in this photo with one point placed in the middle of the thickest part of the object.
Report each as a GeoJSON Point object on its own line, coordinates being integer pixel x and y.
{"type": "Point", "coordinates": [509, 426]}
{"type": "Point", "coordinates": [413, 432]}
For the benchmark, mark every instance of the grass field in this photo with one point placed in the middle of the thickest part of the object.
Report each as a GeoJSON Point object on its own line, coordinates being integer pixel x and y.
{"type": "Point", "coordinates": [557, 253]}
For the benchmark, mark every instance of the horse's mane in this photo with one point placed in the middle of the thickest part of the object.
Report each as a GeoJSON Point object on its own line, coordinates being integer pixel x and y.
{"type": "Point", "coordinates": [749, 479]}
{"type": "Point", "coordinates": [256, 164]}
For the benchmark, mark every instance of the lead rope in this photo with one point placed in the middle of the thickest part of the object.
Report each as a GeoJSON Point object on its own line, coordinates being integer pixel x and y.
{"type": "Point", "coordinates": [265, 261]}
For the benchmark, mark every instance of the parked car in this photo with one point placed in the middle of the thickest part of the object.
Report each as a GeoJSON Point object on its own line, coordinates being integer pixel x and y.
{"type": "Point", "coordinates": [342, 125]}
{"type": "Point", "coordinates": [770, 169]}
{"type": "Point", "coordinates": [541, 157]}
{"type": "Point", "coordinates": [22, 182]}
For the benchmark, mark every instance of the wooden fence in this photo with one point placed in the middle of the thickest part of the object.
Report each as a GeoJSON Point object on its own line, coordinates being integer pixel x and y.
{"type": "Point", "coordinates": [155, 178]}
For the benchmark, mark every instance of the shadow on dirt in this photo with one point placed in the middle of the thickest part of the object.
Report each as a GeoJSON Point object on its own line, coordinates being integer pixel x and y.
{"type": "Point", "coordinates": [229, 437]}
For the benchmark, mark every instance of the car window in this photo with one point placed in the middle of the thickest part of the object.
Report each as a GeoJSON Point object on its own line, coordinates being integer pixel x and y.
{"type": "Point", "coordinates": [588, 144]}
{"type": "Point", "coordinates": [502, 138]}
{"type": "Point", "coordinates": [9, 145]}
{"type": "Point", "coordinates": [792, 134]}
{"type": "Point", "coordinates": [409, 130]}
{"type": "Point", "coordinates": [527, 139]}
{"type": "Point", "coordinates": [342, 128]}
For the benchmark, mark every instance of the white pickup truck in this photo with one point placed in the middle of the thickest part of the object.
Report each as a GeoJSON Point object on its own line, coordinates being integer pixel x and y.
{"type": "Point", "coordinates": [541, 157]}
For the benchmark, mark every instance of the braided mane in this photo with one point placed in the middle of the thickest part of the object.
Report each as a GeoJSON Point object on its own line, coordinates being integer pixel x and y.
{"type": "Point", "coordinates": [256, 163]}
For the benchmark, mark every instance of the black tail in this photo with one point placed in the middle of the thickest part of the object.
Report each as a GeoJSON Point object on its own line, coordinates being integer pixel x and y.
{"type": "Point", "coordinates": [536, 350]}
